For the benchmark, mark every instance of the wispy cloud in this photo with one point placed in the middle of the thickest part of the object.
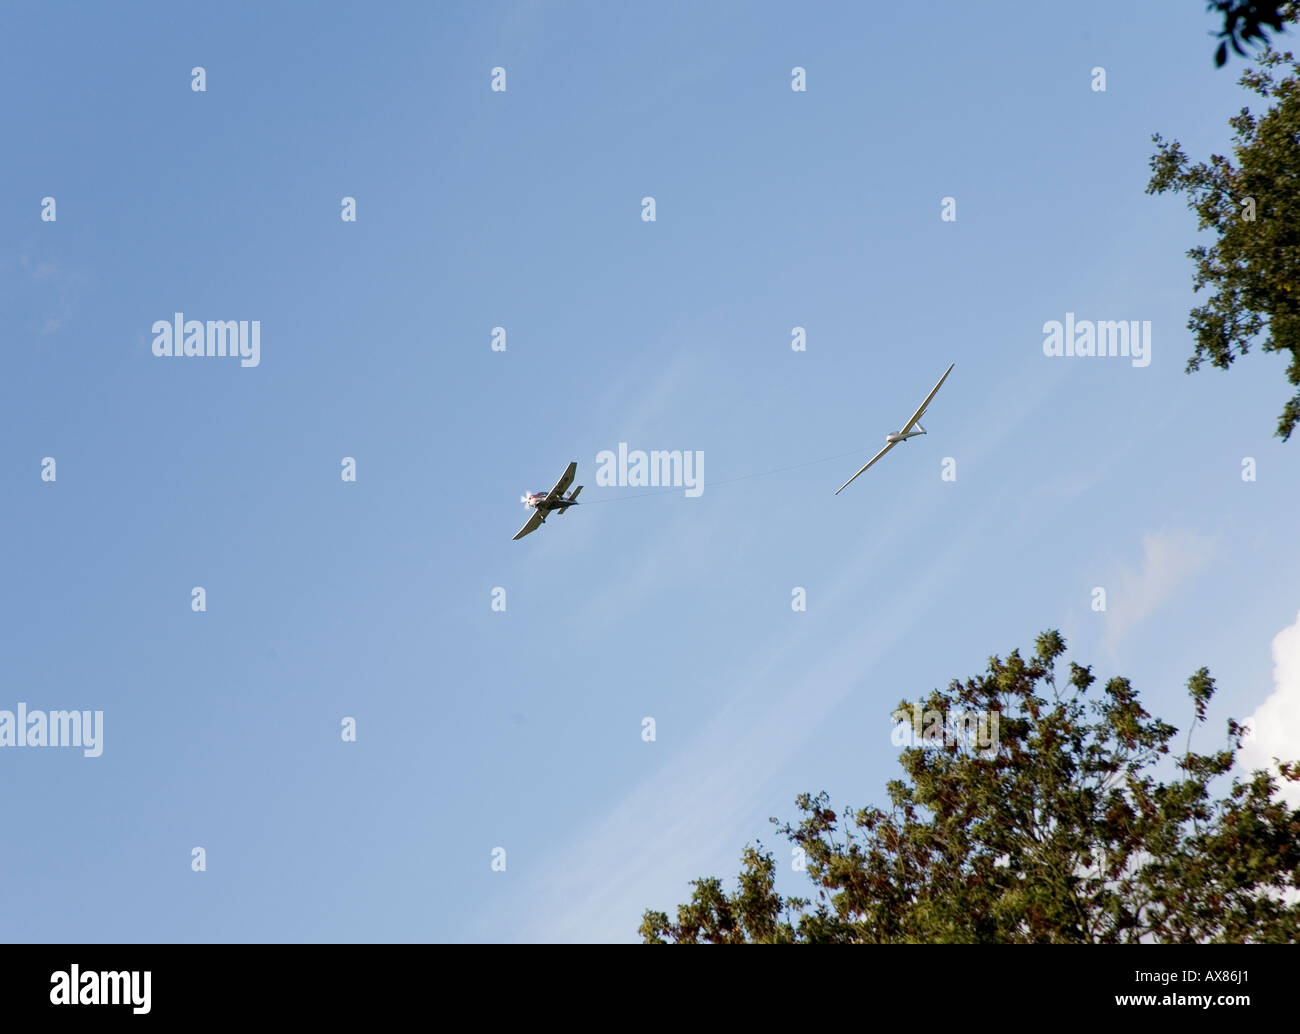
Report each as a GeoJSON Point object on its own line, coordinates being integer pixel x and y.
{"type": "Point", "coordinates": [1168, 559]}
{"type": "Point", "coordinates": [645, 392]}
{"type": "Point", "coordinates": [54, 288]}
{"type": "Point", "coordinates": [691, 813]}
{"type": "Point", "coordinates": [686, 815]}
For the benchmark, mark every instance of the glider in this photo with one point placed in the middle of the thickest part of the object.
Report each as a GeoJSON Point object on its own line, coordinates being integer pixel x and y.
{"type": "Point", "coordinates": [906, 432]}
{"type": "Point", "coordinates": [543, 503]}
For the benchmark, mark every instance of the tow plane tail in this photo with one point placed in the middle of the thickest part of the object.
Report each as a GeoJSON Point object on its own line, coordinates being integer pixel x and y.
{"type": "Point", "coordinates": [571, 500]}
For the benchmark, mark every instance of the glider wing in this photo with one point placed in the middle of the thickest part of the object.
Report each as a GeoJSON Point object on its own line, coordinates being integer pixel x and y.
{"type": "Point", "coordinates": [921, 411]}
{"type": "Point", "coordinates": [869, 462]}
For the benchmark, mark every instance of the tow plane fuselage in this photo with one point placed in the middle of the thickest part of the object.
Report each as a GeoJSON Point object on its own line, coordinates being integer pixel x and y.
{"type": "Point", "coordinates": [541, 501]}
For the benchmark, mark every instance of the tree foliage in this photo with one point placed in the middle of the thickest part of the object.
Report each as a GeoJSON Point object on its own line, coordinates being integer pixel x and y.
{"type": "Point", "coordinates": [1061, 833]}
{"type": "Point", "coordinates": [1245, 21]}
{"type": "Point", "coordinates": [1252, 207]}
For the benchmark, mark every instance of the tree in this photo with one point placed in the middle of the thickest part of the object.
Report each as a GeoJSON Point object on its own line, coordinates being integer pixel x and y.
{"type": "Point", "coordinates": [1253, 208]}
{"type": "Point", "coordinates": [1245, 21]}
{"type": "Point", "coordinates": [1060, 832]}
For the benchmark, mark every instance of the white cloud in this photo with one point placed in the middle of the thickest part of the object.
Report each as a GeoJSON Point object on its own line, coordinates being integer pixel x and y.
{"type": "Point", "coordinates": [1275, 725]}
{"type": "Point", "coordinates": [1168, 557]}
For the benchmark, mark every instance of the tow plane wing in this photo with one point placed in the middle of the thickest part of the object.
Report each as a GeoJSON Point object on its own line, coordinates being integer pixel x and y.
{"type": "Point", "coordinates": [566, 479]}
{"type": "Point", "coordinates": [534, 522]}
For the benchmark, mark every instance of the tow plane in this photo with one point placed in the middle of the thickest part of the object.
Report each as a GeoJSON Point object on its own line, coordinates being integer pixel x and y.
{"type": "Point", "coordinates": [543, 504]}
{"type": "Point", "coordinates": [907, 431]}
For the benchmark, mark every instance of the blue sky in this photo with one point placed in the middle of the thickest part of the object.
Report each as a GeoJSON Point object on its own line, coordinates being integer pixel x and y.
{"type": "Point", "coordinates": [522, 729]}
